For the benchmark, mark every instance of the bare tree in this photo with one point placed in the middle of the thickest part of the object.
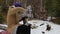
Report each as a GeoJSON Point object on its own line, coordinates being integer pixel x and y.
{"type": "Point", "coordinates": [38, 8]}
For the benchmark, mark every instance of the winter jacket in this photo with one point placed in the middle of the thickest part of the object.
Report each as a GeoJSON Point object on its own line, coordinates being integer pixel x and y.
{"type": "Point", "coordinates": [23, 29]}
{"type": "Point", "coordinates": [5, 32]}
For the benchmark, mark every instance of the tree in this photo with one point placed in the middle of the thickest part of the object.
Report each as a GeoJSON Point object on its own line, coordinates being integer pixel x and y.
{"type": "Point", "coordinates": [1, 19]}
{"type": "Point", "coordinates": [58, 9]}
{"type": "Point", "coordinates": [52, 7]}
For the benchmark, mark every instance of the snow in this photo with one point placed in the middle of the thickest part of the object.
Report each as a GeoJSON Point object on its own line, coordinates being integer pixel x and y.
{"type": "Point", "coordinates": [55, 29]}
{"type": "Point", "coordinates": [1, 30]}
{"type": "Point", "coordinates": [3, 26]}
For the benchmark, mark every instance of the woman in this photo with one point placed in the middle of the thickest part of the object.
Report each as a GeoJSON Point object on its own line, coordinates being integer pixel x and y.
{"type": "Point", "coordinates": [13, 16]}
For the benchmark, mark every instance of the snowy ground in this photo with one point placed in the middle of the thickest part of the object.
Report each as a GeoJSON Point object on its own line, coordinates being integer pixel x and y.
{"type": "Point", "coordinates": [55, 29]}
{"type": "Point", "coordinates": [3, 26]}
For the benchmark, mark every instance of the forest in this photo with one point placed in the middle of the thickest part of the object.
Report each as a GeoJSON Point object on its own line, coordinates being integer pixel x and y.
{"type": "Point", "coordinates": [39, 8]}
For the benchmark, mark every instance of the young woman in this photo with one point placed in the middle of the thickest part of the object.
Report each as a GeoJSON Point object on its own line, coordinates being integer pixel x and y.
{"type": "Point", "coordinates": [13, 16]}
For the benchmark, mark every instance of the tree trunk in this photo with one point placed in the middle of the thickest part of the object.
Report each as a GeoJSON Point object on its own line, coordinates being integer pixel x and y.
{"type": "Point", "coordinates": [38, 9]}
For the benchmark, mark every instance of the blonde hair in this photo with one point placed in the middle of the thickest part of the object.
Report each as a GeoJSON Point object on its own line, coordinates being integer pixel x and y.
{"type": "Point", "coordinates": [13, 17]}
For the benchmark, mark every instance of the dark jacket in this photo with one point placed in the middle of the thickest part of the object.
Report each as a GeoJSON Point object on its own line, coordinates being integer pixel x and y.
{"type": "Point", "coordinates": [23, 29]}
